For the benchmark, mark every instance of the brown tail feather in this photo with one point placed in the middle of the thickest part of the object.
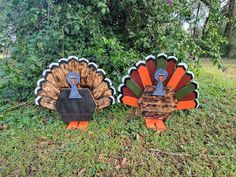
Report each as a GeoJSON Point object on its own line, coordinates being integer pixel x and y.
{"type": "Point", "coordinates": [92, 69]}
{"type": "Point", "coordinates": [46, 102]}
{"type": "Point", "coordinates": [59, 75]}
{"type": "Point", "coordinates": [104, 102]}
{"type": "Point", "coordinates": [98, 78]}
{"type": "Point", "coordinates": [101, 88]}
{"type": "Point", "coordinates": [47, 75]}
{"type": "Point", "coordinates": [48, 88]}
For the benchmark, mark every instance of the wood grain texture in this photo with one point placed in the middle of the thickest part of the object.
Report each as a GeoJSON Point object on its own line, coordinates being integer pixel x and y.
{"type": "Point", "coordinates": [50, 89]}
{"type": "Point", "coordinates": [59, 77]}
{"type": "Point", "coordinates": [160, 107]}
{"type": "Point", "coordinates": [100, 89]}
{"type": "Point", "coordinates": [98, 78]}
{"type": "Point", "coordinates": [63, 64]}
{"type": "Point", "coordinates": [49, 77]}
{"type": "Point", "coordinates": [83, 73]}
{"type": "Point", "coordinates": [103, 102]}
{"type": "Point", "coordinates": [47, 103]}
{"type": "Point", "coordinates": [91, 76]}
{"type": "Point", "coordinates": [72, 65]}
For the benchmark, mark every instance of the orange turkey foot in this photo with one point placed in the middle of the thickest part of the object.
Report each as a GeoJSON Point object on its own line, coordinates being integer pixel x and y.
{"type": "Point", "coordinates": [77, 125]}
{"type": "Point", "coordinates": [157, 124]}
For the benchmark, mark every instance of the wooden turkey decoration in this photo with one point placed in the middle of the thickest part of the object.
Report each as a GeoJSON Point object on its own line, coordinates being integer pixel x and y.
{"type": "Point", "coordinates": [75, 88]}
{"type": "Point", "coordinates": [159, 87]}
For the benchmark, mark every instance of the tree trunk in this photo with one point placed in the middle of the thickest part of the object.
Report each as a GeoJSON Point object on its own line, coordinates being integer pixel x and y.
{"type": "Point", "coordinates": [231, 16]}
{"type": "Point", "coordinates": [196, 20]}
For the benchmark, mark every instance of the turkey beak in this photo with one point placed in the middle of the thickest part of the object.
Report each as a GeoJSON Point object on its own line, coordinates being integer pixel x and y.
{"type": "Point", "coordinates": [72, 81]}
{"type": "Point", "coordinates": [161, 78]}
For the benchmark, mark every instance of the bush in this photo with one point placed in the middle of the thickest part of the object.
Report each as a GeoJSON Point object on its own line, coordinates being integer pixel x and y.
{"type": "Point", "coordinates": [114, 34]}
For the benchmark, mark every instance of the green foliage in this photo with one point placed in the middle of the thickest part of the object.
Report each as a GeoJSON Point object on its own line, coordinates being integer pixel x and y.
{"type": "Point", "coordinates": [114, 34]}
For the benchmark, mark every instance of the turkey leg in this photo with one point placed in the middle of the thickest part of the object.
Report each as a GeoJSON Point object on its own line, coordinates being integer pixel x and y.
{"type": "Point", "coordinates": [157, 124]}
{"type": "Point", "coordinates": [77, 125]}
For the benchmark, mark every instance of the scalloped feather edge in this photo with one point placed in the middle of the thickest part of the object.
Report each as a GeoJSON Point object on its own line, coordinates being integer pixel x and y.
{"type": "Point", "coordinates": [172, 57]}
{"type": "Point", "coordinates": [124, 78]}
{"type": "Point", "coordinates": [72, 57]}
{"type": "Point", "coordinates": [112, 99]}
{"type": "Point", "coordinates": [84, 59]}
{"type": "Point", "coordinates": [183, 65]}
{"type": "Point", "coordinates": [196, 83]}
{"type": "Point", "coordinates": [191, 73]}
{"type": "Point", "coordinates": [150, 56]}
{"type": "Point", "coordinates": [131, 69]}
{"type": "Point", "coordinates": [93, 64]}
{"type": "Point", "coordinates": [113, 90]}
{"type": "Point", "coordinates": [119, 98]}
{"type": "Point", "coordinates": [120, 86]}
{"type": "Point", "coordinates": [140, 62]}
{"type": "Point", "coordinates": [109, 81]}
{"type": "Point", "coordinates": [162, 55]}
{"type": "Point", "coordinates": [37, 100]}
{"type": "Point", "coordinates": [36, 90]}
{"type": "Point", "coordinates": [39, 82]}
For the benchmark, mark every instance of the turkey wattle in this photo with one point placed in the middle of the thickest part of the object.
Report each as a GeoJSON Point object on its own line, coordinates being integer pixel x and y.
{"type": "Point", "coordinates": [159, 87]}
{"type": "Point", "coordinates": [75, 88]}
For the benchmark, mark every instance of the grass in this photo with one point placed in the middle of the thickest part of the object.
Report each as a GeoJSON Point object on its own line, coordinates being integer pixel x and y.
{"type": "Point", "coordinates": [199, 142]}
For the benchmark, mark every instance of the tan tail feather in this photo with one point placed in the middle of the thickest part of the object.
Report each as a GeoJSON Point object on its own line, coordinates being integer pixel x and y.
{"type": "Point", "coordinates": [100, 89]}
{"type": "Point", "coordinates": [48, 103]}
{"type": "Point", "coordinates": [60, 77]}
{"type": "Point", "coordinates": [98, 78]}
{"type": "Point", "coordinates": [83, 70]}
{"type": "Point", "coordinates": [91, 75]}
{"type": "Point", "coordinates": [65, 68]}
{"type": "Point", "coordinates": [72, 65]}
{"type": "Point", "coordinates": [49, 77]}
{"type": "Point", "coordinates": [107, 93]}
{"type": "Point", "coordinates": [50, 90]}
{"type": "Point", "coordinates": [103, 102]}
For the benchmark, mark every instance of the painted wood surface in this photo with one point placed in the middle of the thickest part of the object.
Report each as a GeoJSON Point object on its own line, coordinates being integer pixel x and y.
{"type": "Point", "coordinates": [160, 107]}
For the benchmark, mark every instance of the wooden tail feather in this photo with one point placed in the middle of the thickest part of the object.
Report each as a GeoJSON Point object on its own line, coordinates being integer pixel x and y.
{"type": "Point", "coordinates": [176, 77]}
{"type": "Point", "coordinates": [191, 86]}
{"type": "Point", "coordinates": [161, 61]}
{"type": "Point", "coordinates": [48, 76]}
{"type": "Point", "coordinates": [191, 96]}
{"type": "Point", "coordinates": [143, 73]}
{"type": "Point", "coordinates": [170, 68]}
{"type": "Point", "coordinates": [187, 104]}
{"type": "Point", "coordinates": [125, 91]}
{"type": "Point", "coordinates": [187, 77]}
{"type": "Point", "coordinates": [151, 66]}
{"type": "Point", "coordinates": [132, 86]}
{"type": "Point", "coordinates": [134, 74]}
{"type": "Point", "coordinates": [131, 101]}
{"type": "Point", "coordinates": [46, 102]}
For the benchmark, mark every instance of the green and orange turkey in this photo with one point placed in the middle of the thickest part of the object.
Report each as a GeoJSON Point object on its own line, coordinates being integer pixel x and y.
{"type": "Point", "coordinates": [159, 87]}
{"type": "Point", "coordinates": [75, 88]}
